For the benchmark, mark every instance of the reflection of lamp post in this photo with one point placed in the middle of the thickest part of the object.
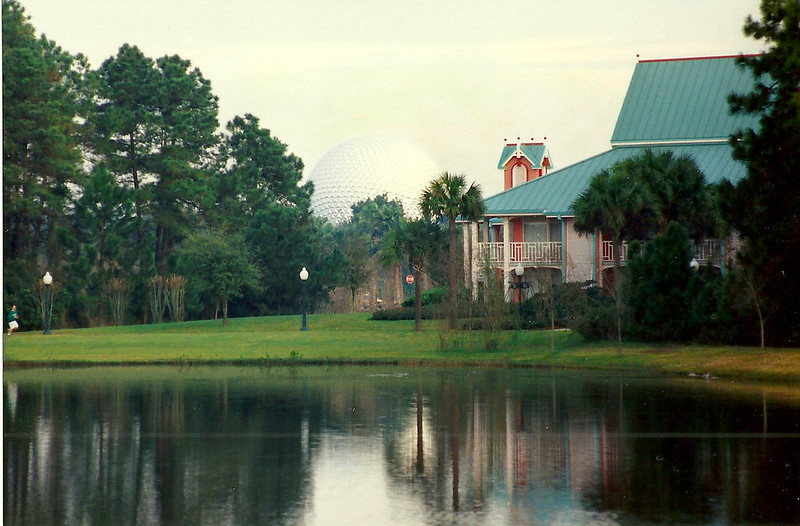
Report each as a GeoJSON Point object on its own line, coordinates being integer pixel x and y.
{"type": "Point", "coordinates": [303, 278]}
{"type": "Point", "coordinates": [47, 280]}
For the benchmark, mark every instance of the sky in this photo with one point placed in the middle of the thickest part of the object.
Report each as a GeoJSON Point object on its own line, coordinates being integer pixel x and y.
{"type": "Point", "coordinates": [456, 78]}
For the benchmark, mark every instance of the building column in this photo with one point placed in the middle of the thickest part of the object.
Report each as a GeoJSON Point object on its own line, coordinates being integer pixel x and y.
{"type": "Point", "coordinates": [594, 258]}
{"type": "Point", "coordinates": [563, 249]}
{"type": "Point", "coordinates": [467, 247]}
{"type": "Point", "coordinates": [469, 234]}
{"type": "Point", "coordinates": [507, 258]}
{"type": "Point", "coordinates": [475, 262]}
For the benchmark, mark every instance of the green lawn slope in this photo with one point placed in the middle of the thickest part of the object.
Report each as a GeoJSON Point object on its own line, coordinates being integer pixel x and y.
{"type": "Point", "coordinates": [354, 338]}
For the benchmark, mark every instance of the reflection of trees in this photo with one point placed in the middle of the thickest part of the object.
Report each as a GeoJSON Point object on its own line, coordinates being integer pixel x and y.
{"type": "Point", "coordinates": [462, 445]}
{"type": "Point", "coordinates": [155, 453]}
{"type": "Point", "coordinates": [610, 446]}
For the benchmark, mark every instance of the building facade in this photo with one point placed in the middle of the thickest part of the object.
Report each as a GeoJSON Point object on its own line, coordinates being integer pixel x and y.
{"type": "Point", "coordinates": [528, 234]}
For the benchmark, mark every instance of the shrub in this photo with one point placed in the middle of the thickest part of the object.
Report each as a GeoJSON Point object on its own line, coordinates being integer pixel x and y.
{"type": "Point", "coordinates": [433, 296]}
{"type": "Point", "coordinates": [597, 319]}
{"type": "Point", "coordinates": [428, 313]}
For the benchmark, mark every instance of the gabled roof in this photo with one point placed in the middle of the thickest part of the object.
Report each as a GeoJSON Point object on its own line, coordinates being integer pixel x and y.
{"type": "Point", "coordinates": [678, 105]}
{"type": "Point", "coordinates": [552, 195]}
{"type": "Point", "coordinates": [682, 100]}
{"type": "Point", "coordinates": [535, 153]}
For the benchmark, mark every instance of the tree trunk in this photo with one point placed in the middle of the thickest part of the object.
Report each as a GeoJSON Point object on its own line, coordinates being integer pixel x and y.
{"type": "Point", "coordinates": [617, 244]}
{"type": "Point", "coordinates": [417, 300]}
{"type": "Point", "coordinates": [452, 297]}
{"type": "Point", "coordinates": [470, 292]}
{"type": "Point", "coordinates": [224, 312]}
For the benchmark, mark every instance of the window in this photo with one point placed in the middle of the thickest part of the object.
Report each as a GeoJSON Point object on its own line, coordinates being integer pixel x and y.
{"type": "Point", "coordinates": [541, 231]}
{"type": "Point", "coordinates": [519, 174]}
{"type": "Point", "coordinates": [534, 232]}
{"type": "Point", "coordinates": [555, 231]}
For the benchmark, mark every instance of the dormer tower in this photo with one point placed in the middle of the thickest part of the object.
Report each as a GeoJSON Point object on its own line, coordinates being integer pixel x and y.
{"type": "Point", "coordinates": [523, 161]}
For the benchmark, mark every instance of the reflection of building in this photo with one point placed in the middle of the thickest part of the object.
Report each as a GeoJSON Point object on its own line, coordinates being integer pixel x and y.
{"type": "Point", "coordinates": [518, 458]}
{"type": "Point", "coordinates": [676, 104]}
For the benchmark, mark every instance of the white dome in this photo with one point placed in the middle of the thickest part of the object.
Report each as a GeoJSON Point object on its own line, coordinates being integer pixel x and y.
{"type": "Point", "coordinates": [366, 167]}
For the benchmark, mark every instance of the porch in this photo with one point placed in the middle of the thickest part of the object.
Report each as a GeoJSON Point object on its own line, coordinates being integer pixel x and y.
{"type": "Point", "coordinates": [708, 251]}
{"type": "Point", "coordinates": [527, 254]}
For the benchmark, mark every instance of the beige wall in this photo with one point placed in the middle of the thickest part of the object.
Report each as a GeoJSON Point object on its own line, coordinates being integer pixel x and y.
{"type": "Point", "coordinates": [579, 264]}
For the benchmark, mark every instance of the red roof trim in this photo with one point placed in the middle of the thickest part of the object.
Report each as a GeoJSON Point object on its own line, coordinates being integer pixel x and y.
{"type": "Point", "coordinates": [698, 58]}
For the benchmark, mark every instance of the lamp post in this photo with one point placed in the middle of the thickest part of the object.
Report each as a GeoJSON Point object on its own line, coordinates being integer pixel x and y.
{"type": "Point", "coordinates": [304, 278]}
{"type": "Point", "coordinates": [518, 286]}
{"type": "Point", "coordinates": [47, 280]}
{"type": "Point", "coordinates": [519, 270]}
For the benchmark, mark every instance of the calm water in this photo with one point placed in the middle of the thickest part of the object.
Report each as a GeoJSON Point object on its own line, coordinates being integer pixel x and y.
{"type": "Point", "coordinates": [380, 445]}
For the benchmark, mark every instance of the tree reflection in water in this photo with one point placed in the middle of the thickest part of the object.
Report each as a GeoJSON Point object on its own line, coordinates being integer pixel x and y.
{"type": "Point", "coordinates": [381, 445]}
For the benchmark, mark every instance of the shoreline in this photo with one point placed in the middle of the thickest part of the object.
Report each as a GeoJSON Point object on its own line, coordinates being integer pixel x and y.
{"type": "Point", "coordinates": [353, 339]}
{"type": "Point", "coordinates": [646, 371]}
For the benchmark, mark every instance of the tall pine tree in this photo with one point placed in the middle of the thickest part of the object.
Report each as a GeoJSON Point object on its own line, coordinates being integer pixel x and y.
{"type": "Point", "coordinates": [40, 141]}
{"type": "Point", "coordinates": [765, 206]}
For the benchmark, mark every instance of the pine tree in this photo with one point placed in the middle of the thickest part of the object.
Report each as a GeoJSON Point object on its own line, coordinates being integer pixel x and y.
{"type": "Point", "coordinates": [765, 206]}
{"type": "Point", "coordinates": [40, 141]}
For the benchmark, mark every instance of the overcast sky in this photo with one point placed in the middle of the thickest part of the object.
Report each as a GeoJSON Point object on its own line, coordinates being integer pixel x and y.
{"type": "Point", "coordinates": [453, 77]}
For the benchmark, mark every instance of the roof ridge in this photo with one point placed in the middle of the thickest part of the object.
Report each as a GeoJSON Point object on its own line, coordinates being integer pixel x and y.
{"type": "Point", "coordinates": [544, 177]}
{"type": "Point", "coordinates": [707, 57]}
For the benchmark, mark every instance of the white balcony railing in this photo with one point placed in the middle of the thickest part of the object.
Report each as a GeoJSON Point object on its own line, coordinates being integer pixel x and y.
{"type": "Point", "coordinates": [608, 251]}
{"type": "Point", "coordinates": [525, 253]}
{"type": "Point", "coordinates": [707, 250]}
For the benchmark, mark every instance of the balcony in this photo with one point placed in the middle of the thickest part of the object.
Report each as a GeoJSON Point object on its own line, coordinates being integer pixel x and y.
{"type": "Point", "coordinates": [709, 250]}
{"type": "Point", "coordinates": [608, 252]}
{"type": "Point", "coordinates": [545, 253]}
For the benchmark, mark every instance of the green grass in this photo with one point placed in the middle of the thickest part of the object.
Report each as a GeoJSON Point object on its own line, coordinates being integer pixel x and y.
{"type": "Point", "coordinates": [353, 338]}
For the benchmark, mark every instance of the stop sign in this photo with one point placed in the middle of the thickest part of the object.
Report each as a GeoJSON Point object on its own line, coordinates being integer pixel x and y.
{"type": "Point", "coordinates": [410, 279]}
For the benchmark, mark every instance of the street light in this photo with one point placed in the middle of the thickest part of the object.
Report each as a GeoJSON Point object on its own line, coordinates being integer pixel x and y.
{"type": "Point", "coordinates": [47, 280]}
{"type": "Point", "coordinates": [519, 271]}
{"type": "Point", "coordinates": [518, 286]}
{"type": "Point", "coordinates": [304, 278]}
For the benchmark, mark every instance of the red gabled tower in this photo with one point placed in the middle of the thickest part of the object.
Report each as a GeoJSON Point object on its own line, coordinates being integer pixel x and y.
{"type": "Point", "coordinates": [523, 161]}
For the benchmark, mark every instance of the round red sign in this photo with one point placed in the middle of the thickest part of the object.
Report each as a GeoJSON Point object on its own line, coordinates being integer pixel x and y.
{"type": "Point", "coordinates": [410, 279]}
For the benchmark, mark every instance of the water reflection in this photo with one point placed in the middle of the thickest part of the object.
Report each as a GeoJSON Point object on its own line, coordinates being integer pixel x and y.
{"type": "Point", "coordinates": [366, 445]}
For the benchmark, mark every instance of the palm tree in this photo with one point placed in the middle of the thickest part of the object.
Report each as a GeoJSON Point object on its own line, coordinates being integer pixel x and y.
{"type": "Point", "coordinates": [614, 203]}
{"type": "Point", "coordinates": [449, 197]}
{"type": "Point", "coordinates": [416, 240]}
{"type": "Point", "coordinates": [678, 189]}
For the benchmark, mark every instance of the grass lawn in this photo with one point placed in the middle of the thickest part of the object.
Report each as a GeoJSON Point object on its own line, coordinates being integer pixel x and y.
{"type": "Point", "coordinates": [353, 338]}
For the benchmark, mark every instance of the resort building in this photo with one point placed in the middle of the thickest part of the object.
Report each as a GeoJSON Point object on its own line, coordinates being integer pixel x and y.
{"type": "Point", "coordinates": [528, 231]}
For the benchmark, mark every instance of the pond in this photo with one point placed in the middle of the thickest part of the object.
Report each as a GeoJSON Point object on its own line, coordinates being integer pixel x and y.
{"type": "Point", "coordinates": [389, 445]}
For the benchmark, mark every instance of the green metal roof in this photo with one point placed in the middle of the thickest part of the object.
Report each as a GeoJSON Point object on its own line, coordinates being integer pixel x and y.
{"type": "Point", "coordinates": [535, 153]}
{"type": "Point", "coordinates": [682, 99]}
{"type": "Point", "coordinates": [553, 194]}
{"type": "Point", "coordinates": [679, 105]}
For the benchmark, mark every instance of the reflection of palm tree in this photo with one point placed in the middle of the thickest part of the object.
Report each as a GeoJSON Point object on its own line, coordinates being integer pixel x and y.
{"type": "Point", "coordinates": [420, 441]}
{"type": "Point", "coordinates": [455, 430]}
{"type": "Point", "coordinates": [449, 197]}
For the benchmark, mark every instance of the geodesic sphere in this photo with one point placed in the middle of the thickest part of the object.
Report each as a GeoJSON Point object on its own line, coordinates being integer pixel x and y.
{"type": "Point", "coordinates": [366, 167]}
